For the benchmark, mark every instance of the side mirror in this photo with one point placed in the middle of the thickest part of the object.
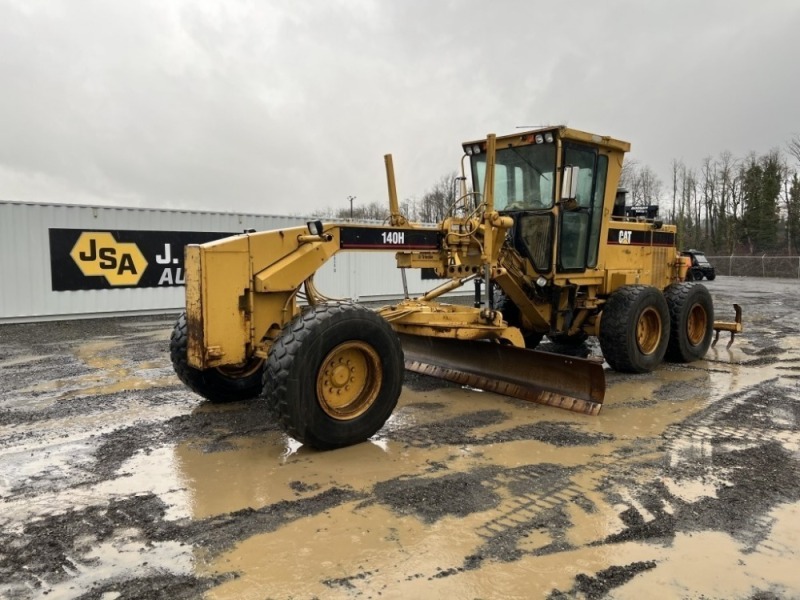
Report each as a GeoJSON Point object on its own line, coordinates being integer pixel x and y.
{"type": "Point", "coordinates": [569, 183]}
{"type": "Point", "coordinates": [314, 227]}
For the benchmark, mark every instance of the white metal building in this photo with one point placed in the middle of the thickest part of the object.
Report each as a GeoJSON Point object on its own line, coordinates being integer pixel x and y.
{"type": "Point", "coordinates": [42, 275]}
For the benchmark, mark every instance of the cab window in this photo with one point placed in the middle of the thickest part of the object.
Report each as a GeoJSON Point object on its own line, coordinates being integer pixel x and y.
{"type": "Point", "coordinates": [523, 177]}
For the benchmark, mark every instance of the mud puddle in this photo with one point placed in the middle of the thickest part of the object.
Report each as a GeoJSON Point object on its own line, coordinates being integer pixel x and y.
{"type": "Point", "coordinates": [568, 505]}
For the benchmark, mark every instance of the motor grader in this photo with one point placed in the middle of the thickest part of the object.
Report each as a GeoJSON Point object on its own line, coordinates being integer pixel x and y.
{"type": "Point", "coordinates": [543, 235]}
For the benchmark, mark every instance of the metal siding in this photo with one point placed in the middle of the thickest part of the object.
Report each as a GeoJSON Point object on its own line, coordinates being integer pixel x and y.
{"type": "Point", "coordinates": [25, 281]}
{"type": "Point", "coordinates": [25, 291]}
{"type": "Point", "coordinates": [366, 276]}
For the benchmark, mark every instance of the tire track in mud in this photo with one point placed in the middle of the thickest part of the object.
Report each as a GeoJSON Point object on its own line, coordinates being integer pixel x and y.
{"type": "Point", "coordinates": [536, 497]}
{"type": "Point", "coordinates": [58, 547]}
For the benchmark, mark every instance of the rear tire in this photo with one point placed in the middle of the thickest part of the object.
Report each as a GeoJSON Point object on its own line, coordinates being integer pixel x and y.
{"type": "Point", "coordinates": [334, 375]}
{"type": "Point", "coordinates": [224, 384]}
{"type": "Point", "coordinates": [711, 276]}
{"type": "Point", "coordinates": [691, 312]}
{"type": "Point", "coordinates": [634, 329]}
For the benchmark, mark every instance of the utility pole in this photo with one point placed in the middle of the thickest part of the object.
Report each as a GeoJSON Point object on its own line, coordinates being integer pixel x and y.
{"type": "Point", "coordinates": [351, 198]}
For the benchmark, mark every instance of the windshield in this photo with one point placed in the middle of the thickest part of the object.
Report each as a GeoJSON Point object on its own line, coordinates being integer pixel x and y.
{"type": "Point", "coordinates": [523, 177]}
{"type": "Point", "coordinates": [701, 259]}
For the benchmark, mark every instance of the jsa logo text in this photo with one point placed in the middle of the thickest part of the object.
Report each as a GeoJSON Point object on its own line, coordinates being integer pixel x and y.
{"type": "Point", "coordinates": [99, 254]}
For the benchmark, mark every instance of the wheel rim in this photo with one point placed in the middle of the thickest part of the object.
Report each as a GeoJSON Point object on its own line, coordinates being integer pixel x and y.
{"type": "Point", "coordinates": [696, 325]}
{"type": "Point", "coordinates": [242, 371]}
{"type": "Point", "coordinates": [648, 331]}
{"type": "Point", "coordinates": [349, 380]}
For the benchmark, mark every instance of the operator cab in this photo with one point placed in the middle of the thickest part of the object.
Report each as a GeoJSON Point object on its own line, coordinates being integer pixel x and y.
{"type": "Point", "coordinates": [525, 187]}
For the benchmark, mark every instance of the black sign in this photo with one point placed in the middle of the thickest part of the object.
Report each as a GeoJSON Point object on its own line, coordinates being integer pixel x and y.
{"type": "Point", "coordinates": [628, 237]}
{"type": "Point", "coordinates": [87, 259]}
{"type": "Point", "coordinates": [373, 238]}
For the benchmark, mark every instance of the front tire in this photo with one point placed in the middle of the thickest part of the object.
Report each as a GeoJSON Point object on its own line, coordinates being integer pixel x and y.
{"type": "Point", "coordinates": [222, 384]}
{"type": "Point", "coordinates": [692, 321]}
{"type": "Point", "coordinates": [334, 375]}
{"type": "Point", "coordinates": [634, 329]}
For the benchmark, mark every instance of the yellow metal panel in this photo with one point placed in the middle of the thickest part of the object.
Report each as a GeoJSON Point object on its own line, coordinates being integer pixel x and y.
{"type": "Point", "coordinates": [268, 247]}
{"type": "Point", "coordinates": [291, 271]}
{"type": "Point", "coordinates": [617, 279]}
{"type": "Point", "coordinates": [662, 266]}
{"type": "Point", "coordinates": [226, 279]}
{"type": "Point", "coordinates": [271, 312]}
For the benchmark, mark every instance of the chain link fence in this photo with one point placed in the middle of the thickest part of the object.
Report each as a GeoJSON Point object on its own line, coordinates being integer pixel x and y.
{"type": "Point", "coordinates": [757, 266]}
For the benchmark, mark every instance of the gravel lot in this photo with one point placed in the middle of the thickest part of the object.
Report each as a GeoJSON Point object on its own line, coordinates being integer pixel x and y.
{"type": "Point", "coordinates": [117, 482]}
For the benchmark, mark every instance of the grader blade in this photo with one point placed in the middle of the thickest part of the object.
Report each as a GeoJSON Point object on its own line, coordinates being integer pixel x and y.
{"type": "Point", "coordinates": [565, 382]}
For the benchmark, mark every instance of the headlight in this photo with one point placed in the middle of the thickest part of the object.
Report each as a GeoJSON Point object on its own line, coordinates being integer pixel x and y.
{"type": "Point", "coordinates": [476, 149]}
{"type": "Point", "coordinates": [539, 138]}
{"type": "Point", "coordinates": [548, 137]}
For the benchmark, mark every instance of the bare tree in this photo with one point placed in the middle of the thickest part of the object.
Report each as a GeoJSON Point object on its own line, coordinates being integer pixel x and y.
{"type": "Point", "coordinates": [642, 183]}
{"type": "Point", "coordinates": [793, 146]}
{"type": "Point", "coordinates": [677, 168]}
{"type": "Point", "coordinates": [437, 201]}
{"type": "Point", "coordinates": [629, 168]}
{"type": "Point", "coordinates": [727, 209]}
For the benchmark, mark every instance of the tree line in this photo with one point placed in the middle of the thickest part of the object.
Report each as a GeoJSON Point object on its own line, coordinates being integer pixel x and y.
{"type": "Point", "coordinates": [434, 205]}
{"type": "Point", "coordinates": [727, 205]}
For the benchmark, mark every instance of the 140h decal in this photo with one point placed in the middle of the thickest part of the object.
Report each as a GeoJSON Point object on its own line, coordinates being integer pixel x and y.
{"type": "Point", "coordinates": [90, 260]}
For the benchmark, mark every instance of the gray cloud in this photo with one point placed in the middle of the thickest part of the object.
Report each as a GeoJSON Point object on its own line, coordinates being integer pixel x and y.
{"type": "Point", "coordinates": [284, 107]}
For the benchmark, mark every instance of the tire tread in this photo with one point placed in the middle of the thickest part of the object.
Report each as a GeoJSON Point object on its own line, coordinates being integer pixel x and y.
{"type": "Point", "coordinates": [284, 354]}
{"type": "Point", "coordinates": [615, 329]}
{"type": "Point", "coordinates": [209, 384]}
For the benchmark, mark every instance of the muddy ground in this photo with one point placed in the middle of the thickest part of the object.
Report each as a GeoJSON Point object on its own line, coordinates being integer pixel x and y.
{"type": "Point", "coordinates": [117, 482]}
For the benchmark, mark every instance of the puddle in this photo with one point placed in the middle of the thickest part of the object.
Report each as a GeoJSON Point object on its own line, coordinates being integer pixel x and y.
{"type": "Point", "coordinates": [714, 565]}
{"type": "Point", "coordinates": [112, 560]}
{"type": "Point", "coordinates": [22, 360]}
{"type": "Point", "coordinates": [372, 547]}
{"type": "Point", "coordinates": [110, 372]}
{"type": "Point", "coordinates": [156, 472]}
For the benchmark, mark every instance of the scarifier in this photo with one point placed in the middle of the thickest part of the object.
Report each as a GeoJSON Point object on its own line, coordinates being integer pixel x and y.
{"type": "Point", "coordinates": [549, 246]}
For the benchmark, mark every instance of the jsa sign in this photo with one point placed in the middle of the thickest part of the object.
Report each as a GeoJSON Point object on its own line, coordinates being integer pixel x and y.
{"type": "Point", "coordinates": [82, 259]}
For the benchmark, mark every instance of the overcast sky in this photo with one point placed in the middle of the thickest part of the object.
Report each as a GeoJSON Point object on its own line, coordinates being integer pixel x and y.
{"type": "Point", "coordinates": [283, 107]}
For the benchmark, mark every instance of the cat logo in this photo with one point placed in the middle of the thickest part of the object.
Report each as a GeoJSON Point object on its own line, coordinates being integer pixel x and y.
{"type": "Point", "coordinates": [99, 254]}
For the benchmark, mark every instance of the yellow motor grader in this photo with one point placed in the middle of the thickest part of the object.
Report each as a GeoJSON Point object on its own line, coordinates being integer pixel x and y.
{"type": "Point", "coordinates": [551, 250]}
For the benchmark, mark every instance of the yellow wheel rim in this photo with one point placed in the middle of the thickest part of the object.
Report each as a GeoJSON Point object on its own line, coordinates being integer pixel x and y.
{"type": "Point", "coordinates": [696, 324]}
{"type": "Point", "coordinates": [648, 331]}
{"type": "Point", "coordinates": [349, 380]}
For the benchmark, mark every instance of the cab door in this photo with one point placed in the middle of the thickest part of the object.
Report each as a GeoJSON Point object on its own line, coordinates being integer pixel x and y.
{"type": "Point", "coordinates": [579, 227]}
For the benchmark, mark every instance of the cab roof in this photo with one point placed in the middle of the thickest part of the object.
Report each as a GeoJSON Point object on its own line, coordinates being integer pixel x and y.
{"type": "Point", "coordinates": [561, 131]}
